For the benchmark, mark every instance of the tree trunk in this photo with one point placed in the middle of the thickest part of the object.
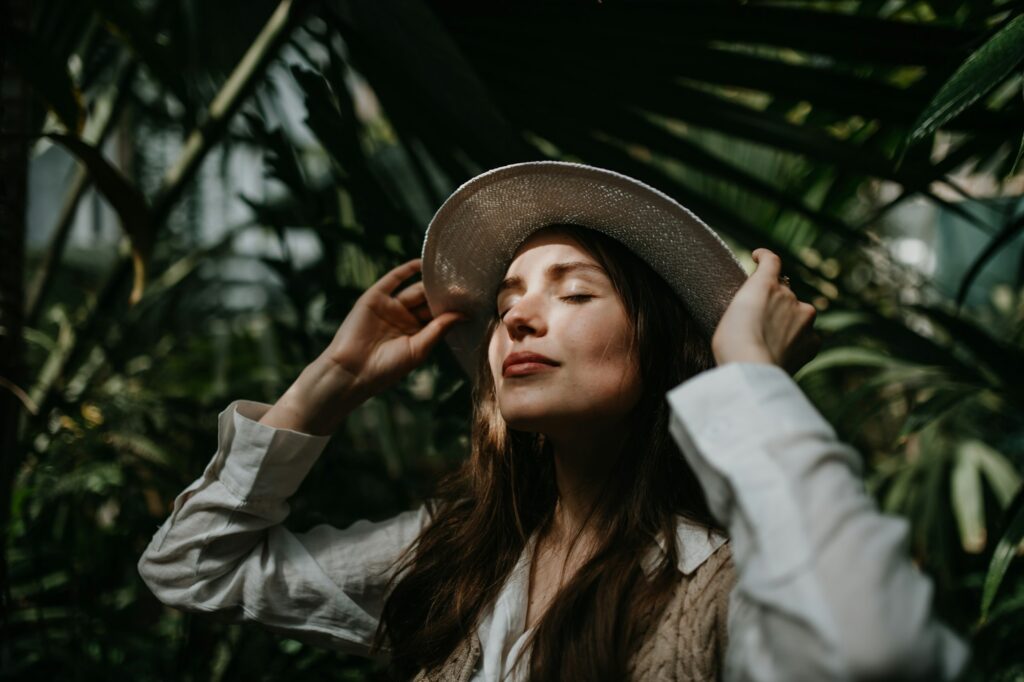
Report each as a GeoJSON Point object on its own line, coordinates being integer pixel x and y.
{"type": "Point", "coordinates": [14, 128]}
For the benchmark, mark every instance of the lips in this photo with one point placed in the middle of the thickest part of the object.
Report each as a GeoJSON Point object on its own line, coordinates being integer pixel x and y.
{"type": "Point", "coordinates": [525, 359]}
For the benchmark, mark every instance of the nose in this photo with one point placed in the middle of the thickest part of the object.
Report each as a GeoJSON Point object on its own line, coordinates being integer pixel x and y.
{"type": "Point", "coordinates": [525, 317]}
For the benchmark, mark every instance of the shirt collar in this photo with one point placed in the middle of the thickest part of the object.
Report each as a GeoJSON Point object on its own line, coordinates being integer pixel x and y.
{"type": "Point", "coordinates": [695, 542]}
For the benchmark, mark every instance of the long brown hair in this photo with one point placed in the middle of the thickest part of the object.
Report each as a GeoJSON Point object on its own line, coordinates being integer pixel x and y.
{"type": "Point", "coordinates": [485, 511]}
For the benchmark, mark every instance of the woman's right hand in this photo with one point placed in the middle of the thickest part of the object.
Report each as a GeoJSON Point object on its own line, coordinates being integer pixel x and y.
{"type": "Point", "coordinates": [382, 339]}
{"type": "Point", "coordinates": [386, 336]}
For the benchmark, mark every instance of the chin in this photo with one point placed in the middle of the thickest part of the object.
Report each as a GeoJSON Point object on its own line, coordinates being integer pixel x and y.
{"type": "Point", "coordinates": [529, 419]}
{"type": "Point", "coordinates": [522, 423]}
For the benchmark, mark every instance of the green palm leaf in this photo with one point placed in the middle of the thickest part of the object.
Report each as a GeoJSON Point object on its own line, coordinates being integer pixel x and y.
{"type": "Point", "coordinates": [981, 72]}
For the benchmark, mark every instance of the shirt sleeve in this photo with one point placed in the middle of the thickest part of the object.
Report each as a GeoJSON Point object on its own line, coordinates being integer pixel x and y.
{"type": "Point", "coordinates": [825, 588]}
{"type": "Point", "coordinates": [224, 548]}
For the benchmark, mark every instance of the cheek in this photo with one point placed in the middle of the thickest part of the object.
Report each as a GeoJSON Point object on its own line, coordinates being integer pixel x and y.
{"type": "Point", "coordinates": [494, 357]}
{"type": "Point", "coordinates": [598, 344]}
{"type": "Point", "coordinates": [601, 368]}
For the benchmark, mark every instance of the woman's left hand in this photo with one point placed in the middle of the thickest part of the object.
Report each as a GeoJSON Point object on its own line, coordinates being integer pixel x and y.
{"type": "Point", "coordinates": [765, 322]}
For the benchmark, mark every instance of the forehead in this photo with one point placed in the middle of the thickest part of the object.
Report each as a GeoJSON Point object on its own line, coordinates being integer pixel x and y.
{"type": "Point", "coordinates": [542, 248]}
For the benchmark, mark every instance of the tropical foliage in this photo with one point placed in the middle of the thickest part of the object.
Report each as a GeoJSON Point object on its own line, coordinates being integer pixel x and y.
{"type": "Point", "coordinates": [801, 126]}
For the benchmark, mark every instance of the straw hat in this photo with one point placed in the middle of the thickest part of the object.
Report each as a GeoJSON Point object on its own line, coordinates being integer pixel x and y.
{"type": "Point", "coordinates": [471, 239]}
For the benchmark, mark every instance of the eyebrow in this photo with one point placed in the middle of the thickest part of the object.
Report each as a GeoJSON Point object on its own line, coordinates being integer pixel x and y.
{"type": "Point", "coordinates": [554, 272]}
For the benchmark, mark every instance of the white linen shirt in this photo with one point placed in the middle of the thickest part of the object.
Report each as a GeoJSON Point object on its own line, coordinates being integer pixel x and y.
{"type": "Point", "coordinates": [825, 587]}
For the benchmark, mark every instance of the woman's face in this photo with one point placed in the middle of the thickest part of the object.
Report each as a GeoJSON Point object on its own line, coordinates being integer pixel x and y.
{"type": "Point", "coordinates": [558, 302]}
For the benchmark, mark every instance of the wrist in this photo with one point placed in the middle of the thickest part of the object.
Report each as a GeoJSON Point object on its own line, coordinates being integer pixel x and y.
{"type": "Point", "coordinates": [751, 354]}
{"type": "Point", "coordinates": [318, 401]}
{"type": "Point", "coordinates": [326, 380]}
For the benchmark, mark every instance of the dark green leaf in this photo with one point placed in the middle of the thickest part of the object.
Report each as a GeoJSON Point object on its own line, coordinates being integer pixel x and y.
{"type": "Point", "coordinates": [982, 71]}
{"type": "Point", "coordinates": [122, 195]}
{"type": "Point", "coordinates": [654, 28]}
{"type": "Point", "coordinates": [1006, 550]}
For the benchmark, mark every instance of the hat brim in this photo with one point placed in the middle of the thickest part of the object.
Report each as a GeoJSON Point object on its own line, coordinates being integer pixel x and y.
{"type": "Point", "coordinates": [472, 238]}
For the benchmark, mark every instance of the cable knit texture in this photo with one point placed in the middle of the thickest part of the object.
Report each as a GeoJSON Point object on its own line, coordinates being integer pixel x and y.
{"type": "Point", "coordinates": [689, 642]}
{"type": "Point", "coordinates": [687, 645]}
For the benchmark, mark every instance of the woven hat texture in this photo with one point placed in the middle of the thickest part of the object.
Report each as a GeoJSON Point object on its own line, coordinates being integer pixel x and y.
{"type": "Point", "coordinates": [472, 238]}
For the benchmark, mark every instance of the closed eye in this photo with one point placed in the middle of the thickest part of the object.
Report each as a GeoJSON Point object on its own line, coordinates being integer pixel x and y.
{"type": "Point", "coordinates": [575, 299]}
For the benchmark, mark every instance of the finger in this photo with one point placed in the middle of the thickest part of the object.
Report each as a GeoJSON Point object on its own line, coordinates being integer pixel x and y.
{"type": "Point", "coordinates": [390, 281]}
{"type": "Point", "coordinates": [407, 321]}
{"type": "Point", "coordinates": [768, 265]}
{"type": "Point", "coordinates": [809, 310]}
{"type": "Point", "coordinates": [426, 338]}
{"type": "Point", "coordinates": [413, 295]}
{"type": "Point", "coordinates": [422, 313]}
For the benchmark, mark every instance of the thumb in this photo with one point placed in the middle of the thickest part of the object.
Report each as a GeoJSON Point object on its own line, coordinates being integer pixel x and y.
{"type": "Point", "coordinates": [425, 339]}
{"type": "Point", "coordinates": [769, 265]}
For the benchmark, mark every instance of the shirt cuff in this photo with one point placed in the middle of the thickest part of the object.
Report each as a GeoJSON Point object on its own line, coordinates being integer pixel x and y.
{"type": "Point", "coordinates": [261, 462]}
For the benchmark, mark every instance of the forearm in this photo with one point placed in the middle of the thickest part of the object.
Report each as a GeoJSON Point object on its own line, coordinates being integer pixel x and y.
{"type": "Point", "coordinates": [225, 547]}
{"type": "Point", "coordinates": [318, 401]}
{"type": "Point", "coordinates": [225, 513]}
{"type": "Point", "coordinates": [826, 579]}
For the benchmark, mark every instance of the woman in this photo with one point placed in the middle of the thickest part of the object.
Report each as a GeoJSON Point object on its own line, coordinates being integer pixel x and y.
{"type": "Point", "coordinates": [575, 543]}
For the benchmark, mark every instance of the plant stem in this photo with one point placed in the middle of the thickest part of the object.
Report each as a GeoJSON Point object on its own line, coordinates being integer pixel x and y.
{"type": "Point", "coordinates": [44, 275]}
{"type": "Point", "coordinates": [202, 139]}
{"type": "Point", "coordinates": [227, 102]}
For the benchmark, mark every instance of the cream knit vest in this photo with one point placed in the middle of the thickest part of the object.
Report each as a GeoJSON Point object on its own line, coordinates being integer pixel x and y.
{"type": "Point", "coordinates": [687, 644]}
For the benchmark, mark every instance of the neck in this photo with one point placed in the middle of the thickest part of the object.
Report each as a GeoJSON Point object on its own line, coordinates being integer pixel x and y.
{"type": "Point", "coordinates": [582, 465]}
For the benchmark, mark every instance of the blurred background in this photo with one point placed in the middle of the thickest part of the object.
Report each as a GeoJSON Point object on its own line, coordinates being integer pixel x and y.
{"type": "Point", "coordinates": [195, 193]}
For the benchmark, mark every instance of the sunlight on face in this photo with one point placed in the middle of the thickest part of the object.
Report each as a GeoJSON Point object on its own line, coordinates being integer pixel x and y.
{"type": "Point", "coordinates": [558, 302]}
